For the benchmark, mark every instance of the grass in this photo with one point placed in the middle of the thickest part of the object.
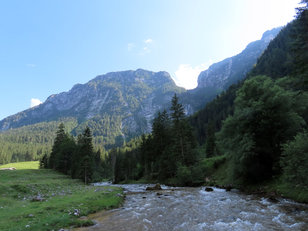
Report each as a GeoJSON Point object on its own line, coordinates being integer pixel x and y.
{"type": "Point", "coordinates": [22, 165]}
{"type": "Point", "coordinates": [295, 192]}
{"type": "Point", "coordinates": [61, 198]}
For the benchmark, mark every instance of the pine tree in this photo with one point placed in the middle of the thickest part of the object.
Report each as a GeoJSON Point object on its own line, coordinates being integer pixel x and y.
{"type": "Point", "coordinates": [210, 144]}
{"type": "Point", "coordinates": [57, 147]}
{"type": "Point", "coordinates": [183, 139]}
{"type": "Point", "coordinates": [86, 156]}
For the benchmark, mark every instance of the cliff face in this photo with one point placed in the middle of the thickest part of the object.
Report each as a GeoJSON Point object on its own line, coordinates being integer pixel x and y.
{"type": "Point", "coordinates": [223, 74]}
{"type": "Point", "coordinates": [127, 99]}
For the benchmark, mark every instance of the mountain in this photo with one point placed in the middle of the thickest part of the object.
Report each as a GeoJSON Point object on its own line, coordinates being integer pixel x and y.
{"type": "Point", "coordinates": [118, 103]}
{"type": "Point", "coordinates": [227, 72]}
{"type": "Point", "coordinates": [219, 76]}
{"type": "Point", "coordinates": [284, 59]}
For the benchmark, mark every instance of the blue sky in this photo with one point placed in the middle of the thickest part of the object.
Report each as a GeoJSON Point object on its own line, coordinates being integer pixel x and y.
{"type": "Point", "coordinates": [47, 46]}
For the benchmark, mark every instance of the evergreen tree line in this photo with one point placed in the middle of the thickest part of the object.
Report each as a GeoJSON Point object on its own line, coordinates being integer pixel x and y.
{"type": "Point", "coordinates": [74, 158]}
{"type": "Point", "coordinates": [29, 143]}
{"type": "Point", "coordinates": [167, 154]}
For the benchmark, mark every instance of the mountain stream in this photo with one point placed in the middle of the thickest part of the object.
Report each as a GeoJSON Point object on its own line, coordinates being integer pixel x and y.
{"type": "Point", "coordinates": [195, 209]}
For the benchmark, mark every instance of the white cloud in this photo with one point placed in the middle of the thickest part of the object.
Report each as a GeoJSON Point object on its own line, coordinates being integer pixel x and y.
{"type": "Point", "coordinates": [148, 41]}
{"type": "Point", "coordinates": [130, 46]}
{"type": "Point", "coordinates": [35, 102]}
{"type": "Point", "coordinates": [186, 76]}
{"type": "Point", "coordinates": [31, 65]}
{"type": "Point", "coordinates": [146, 50]}
{"type": "Point", "coordinates": [141, 48]}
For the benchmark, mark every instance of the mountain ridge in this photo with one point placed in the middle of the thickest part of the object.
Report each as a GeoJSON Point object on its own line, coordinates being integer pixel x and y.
{"type": "Point", "coordinates": [232, 69]}
{"type": "Point", "coordinates": [129, 94]}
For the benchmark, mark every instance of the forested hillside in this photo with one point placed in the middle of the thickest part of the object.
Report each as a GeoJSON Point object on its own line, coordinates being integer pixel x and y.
{"type": "Point", "coordinates": [116, 107]}
{"type": "Point", "coordinates": [30, 142]}
{"type": "Point", "coordinates": [256, 130]}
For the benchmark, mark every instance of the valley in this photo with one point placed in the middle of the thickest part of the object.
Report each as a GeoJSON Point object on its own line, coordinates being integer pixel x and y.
{"type": "Point", "coordinates": [231, 153]}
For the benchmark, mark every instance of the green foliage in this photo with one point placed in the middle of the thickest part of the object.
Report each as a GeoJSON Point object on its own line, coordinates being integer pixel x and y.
{"type": "Point", "coordinates": [210, 144]}
{"type": "Point", "coordinates": [184, 175]}
{"type": "Point", "coordinates": [30, 142]}
{"type": "Point", "coordinates": [214, 113]}
{"type": "Point", "coordinates": [295, 160]}
{"type": "Point", "coordinates": [209, 165]}
{"type": "Point", "coordinates": [265, 117]}
{"type": "Point", "coordinates": [162, 155]}
{"type": "Point", "coordinates": [76, 159]}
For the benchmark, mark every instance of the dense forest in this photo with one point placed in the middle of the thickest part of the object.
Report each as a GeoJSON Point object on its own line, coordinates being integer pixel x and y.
{"type": "Point", "coordinates": [30, 142]}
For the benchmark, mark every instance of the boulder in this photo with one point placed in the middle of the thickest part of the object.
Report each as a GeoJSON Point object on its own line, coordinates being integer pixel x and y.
{"type": "Point", "coordinates": [156, 187]}
{"type": "Point", "coordinates": [37, 198]}
{"type": "Point", "coordinates": [208, 189]}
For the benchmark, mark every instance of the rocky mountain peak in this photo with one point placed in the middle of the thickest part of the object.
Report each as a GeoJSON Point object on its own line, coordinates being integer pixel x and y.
{"type": "Point", "coordinates": [124, 101]}
{"type": "Point", "coordinates": [223, 74]}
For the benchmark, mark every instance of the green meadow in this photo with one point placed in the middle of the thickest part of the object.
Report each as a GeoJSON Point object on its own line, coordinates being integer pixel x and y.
{"type": "Point", "coordinates": [42, 199]}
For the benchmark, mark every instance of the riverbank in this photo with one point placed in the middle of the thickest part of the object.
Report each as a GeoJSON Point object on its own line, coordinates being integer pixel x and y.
{"type": "Point", "coordinates": [42, 199]}
{"type": "Point", "coordinates": [216, 173]}
{"type": "Point", "coordinates": [219, 176]}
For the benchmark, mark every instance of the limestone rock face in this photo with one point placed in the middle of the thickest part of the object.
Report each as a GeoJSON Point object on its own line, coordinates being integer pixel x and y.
{"type": "Point", "coordinates": [227, 72]}
{"type": "Point", "coordinates": [125, 102]}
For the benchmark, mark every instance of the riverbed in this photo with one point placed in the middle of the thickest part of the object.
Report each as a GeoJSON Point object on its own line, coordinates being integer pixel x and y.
{"type": "Point", "coordinates": [176, 208]}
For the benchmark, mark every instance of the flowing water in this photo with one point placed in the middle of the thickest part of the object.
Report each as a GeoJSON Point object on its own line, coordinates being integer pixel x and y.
{"type": "Point", "coordinates": [195, 209]}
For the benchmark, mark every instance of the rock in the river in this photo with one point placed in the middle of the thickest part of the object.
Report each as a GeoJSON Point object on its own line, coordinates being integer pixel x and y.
{"type": "Point", "coordinates": [156, 187]}
{"type": "Point", "coordinates": [228, 188]}
{"type": "Point", "coordinates": [208, 189]}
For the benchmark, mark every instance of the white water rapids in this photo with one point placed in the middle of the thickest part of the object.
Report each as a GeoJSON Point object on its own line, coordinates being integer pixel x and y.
{"type": "Point", "coordinates": [194, 209]}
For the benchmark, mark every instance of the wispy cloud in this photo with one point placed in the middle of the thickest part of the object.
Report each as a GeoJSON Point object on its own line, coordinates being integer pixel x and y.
{"type": "Point", "coordinates": [186, 75]}
{"type": "Point", "coordinates": [146, 48]}
{"type": "Point", "coordinates": [130, 46]}
{"type": "Point", "coordinates": [31, 65]}
{"type": "Point", "coordinates": [141, 48]}
{"type": "Point", "coordinates": [35, 102]}
{"type": "Point", "coordinates": [148, 41]}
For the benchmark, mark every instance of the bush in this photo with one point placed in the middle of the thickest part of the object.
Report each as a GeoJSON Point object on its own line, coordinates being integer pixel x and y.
{"type": "Point", "coordinates": [184, 176]}
{"type": "Point", "coordinates": [295, 160]}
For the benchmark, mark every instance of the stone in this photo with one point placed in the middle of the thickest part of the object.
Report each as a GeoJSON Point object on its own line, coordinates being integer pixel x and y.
{"type": "Point", "coordinates": [37, 198]}
{"type": "Point", "coordinates": [228, 188]}
{"type": "Point", "coordinates": [208, 189]}
{"type": "Point", "coordinates": [156, 187]}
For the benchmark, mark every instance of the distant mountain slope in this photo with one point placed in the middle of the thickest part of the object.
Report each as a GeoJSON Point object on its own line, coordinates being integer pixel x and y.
{"type": "Point", "coordinates": [219, 76]}
{"type": "Point", "coordinates": [283, 57]}
{"type": "Point", "coordinates": [114, 104]}
{"type": "Point", "coordinates": [223, 74]}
